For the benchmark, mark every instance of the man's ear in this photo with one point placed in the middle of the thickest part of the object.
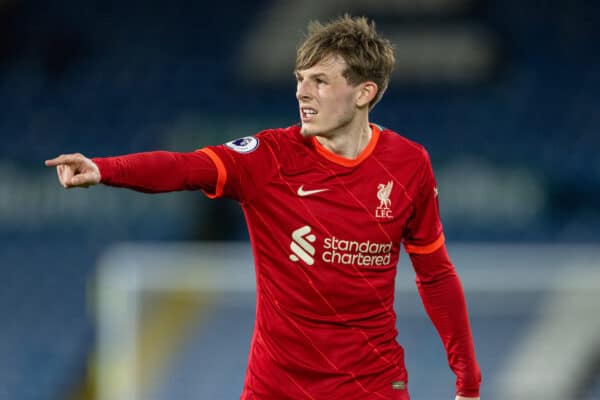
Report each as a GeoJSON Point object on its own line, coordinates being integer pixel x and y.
{"type": "Point", "coordinates": [366, 93]}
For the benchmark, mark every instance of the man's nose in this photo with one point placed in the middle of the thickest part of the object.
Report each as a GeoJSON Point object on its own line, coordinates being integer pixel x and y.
{"type": "Point", "coordinates": [302, 91]}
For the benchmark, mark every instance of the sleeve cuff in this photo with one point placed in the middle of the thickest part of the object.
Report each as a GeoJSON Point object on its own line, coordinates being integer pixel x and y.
{"type": "Point", "coordinates": [468, 393]}
{"type": "Point", "coordinates": [105, 168]}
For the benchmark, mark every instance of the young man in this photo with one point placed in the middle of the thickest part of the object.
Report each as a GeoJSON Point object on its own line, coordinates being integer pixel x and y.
{"type": "Point", "coordinates": [327, 204]}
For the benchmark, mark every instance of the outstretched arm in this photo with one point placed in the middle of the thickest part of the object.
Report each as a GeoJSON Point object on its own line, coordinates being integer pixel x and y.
{"type": "Point", "coordinates": [151, 172]}
{"type": "Point", "coordinates": [444, 300]}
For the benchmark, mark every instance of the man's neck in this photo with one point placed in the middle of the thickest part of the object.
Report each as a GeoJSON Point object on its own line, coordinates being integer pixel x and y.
{"type": "Point", "coordinates": [348, 144]}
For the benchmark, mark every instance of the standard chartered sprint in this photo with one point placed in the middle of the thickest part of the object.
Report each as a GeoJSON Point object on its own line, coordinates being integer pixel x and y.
{"type": "Point", "coordinates": [364, 254]}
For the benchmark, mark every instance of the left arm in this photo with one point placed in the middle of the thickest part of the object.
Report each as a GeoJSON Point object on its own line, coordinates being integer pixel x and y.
{"type": "Point", "coordinates": [439, 286]}
{"type": "Point", "coordinates": [443, 297]}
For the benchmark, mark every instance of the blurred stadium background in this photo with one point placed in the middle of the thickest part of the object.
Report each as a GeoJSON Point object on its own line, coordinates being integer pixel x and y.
{"type": "Point", "coordinates": [505, 94]}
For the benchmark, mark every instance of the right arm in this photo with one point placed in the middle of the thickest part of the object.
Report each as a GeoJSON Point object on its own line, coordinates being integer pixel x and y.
{"type": "Point", "coordinates": [151, 172]}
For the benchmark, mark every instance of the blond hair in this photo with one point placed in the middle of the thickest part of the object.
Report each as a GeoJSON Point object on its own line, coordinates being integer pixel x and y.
{"type": "Point", "coordinates": [368, 56]}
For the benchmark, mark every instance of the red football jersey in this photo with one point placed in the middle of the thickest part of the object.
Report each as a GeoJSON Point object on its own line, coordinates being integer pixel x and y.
{"type": "Point", "coordinates": [326, 235]}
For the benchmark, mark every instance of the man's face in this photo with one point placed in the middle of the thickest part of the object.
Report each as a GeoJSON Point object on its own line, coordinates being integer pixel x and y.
{"type": "Point", "coordinates": [326, 100]}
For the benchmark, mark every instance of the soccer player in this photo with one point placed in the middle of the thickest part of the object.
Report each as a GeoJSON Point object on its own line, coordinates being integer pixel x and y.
{"type": "Point", "coordinates": [328, 204]}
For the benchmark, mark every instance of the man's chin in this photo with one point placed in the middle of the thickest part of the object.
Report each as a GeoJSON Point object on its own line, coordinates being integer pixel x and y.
{"type": "Point", "coordinates": [307, 131]}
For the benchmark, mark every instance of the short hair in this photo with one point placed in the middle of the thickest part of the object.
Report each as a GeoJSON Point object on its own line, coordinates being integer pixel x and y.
{"type": "Point", "coordinates": [369, 56]}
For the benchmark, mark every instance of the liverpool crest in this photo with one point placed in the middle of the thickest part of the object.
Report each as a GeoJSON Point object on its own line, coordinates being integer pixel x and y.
{"type": "Point", "coordinates": [383, 194]}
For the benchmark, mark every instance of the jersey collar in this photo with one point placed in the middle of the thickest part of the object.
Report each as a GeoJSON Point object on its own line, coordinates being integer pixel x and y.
{"type": "Point", "coordinates": [347, 162]}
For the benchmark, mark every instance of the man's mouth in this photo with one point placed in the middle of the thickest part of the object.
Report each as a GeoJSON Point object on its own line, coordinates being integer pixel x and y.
{"type": "Point", "coordinates": [307, 113]}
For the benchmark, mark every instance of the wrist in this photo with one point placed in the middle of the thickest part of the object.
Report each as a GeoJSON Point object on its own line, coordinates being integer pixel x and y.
{"type": "Point", "coordinates": [467, 394]}
{"type": "Point", "coordinates": [104, 168]}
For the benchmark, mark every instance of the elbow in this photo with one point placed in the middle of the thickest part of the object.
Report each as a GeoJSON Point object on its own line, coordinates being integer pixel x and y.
{"type": "Point", "coordinates": [441, 276]}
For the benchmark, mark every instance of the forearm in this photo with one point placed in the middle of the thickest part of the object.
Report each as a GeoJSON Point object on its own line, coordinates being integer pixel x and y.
{"type": "Point", "coordinates": [444, 300]}
{"type": "Point", "coordinates": [159, 171]}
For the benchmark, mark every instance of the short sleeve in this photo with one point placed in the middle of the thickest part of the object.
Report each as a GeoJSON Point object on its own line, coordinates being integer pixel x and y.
{"type": "Point", "coordinates": [244, 166]}
{"type": "Point", "coordinates": [424, 232]}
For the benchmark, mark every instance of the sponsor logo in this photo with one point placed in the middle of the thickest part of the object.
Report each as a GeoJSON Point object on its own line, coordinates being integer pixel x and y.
{"type": "Point", "coordinates": [301, 246]}
{"type": "Point", "coordinates": [243, 145]}
{"type": "Point", "coordinates": [398, 385]}
{"type": "Point", "coordinates": [383, 194]}
{"type": "Point", "coordinates": [339, 251]}
{"type": "Point", "coordinates": [351, 252]}
{"type": "Point", "coordinates": [304, 193]}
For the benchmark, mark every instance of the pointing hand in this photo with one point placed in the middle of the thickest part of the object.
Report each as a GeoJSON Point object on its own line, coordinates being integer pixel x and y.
{"type": "Point", "coordinates": [75, 170]}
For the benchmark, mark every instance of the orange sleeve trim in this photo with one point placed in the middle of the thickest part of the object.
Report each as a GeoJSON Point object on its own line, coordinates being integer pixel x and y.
{"type": "Point", "coordinates": [221, 173]}
{"type": "Point", "coordinates": [430, 248]}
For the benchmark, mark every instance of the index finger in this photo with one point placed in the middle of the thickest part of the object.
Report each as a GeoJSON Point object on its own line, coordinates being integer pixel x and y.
{"type": "Point", "coordinates": [62, 159]}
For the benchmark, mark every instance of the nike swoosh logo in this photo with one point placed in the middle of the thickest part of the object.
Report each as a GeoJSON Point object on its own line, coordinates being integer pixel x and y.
{"type": "Point", "coordinates": [303, 193]}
